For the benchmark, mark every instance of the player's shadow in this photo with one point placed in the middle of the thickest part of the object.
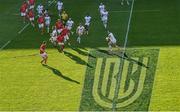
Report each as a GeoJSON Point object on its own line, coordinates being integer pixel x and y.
{"type": "Point", "coordinates": [77, 59]}
{"type": "Point", "coordinates": [81, 52]}
{"type": "Point", "coordinates": [124, 56]}
{"type": "Point", "coordinates": [58, 73]}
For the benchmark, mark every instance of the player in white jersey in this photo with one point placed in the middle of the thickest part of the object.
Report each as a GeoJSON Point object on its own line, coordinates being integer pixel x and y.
{"type": "Point", "coordinates": [69, 24]}
{"type": "Point", "coordinates": [53, 35]}
{"type": "Point", "coordinates": [40, 9]}
{"type": "Point", "coordinates": [87, 23]}
{"type": "Point", "coordinates": [105, 18]}
{"type": "Point", "coordinates": [80, 31]}
{"type": "Point", "coordinates": [101, 8]}
{"type": "Point", "coordinates": [122, 2]}
{"type": "Point", "coordinates": [47, 22]}
{"type": "Point", "coordinates": [111, 41]}
{"type": "Point", "coordinates": [59, 6]}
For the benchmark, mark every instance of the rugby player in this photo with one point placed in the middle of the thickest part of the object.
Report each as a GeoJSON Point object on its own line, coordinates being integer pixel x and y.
{"type": "Point", "coordinates": [101, 8]}
{"type": "Point", "coordinates": [23, 11]}
{"type": "Point", "coordinates": [59, 6]}
{"type": "Point", "coordinates": [47, 22]}
{"type": "Point", "coordinates": [105, 18]}
{"type": "Point", "coordinates": [31, 4]}
{"type": "Point", "coordinates": [41, 23]}
{"type": "Point", "coordinates": [53, 35]}
{"type": "Point", "coordinates": [59, 26]}
{"type": "Point", "coordinates": [64, 17]}
{"type": "Point", "coordinates": [31, 17]}
{"type": "Point", "coordinates": [111, 41]}
{"type": "Point", "coordinates": [43, 53]}
{"type": "Point", "coordinates": [69, 24]}
{"type": "Point", "coordinates": [40, 9]}
{"type": "Point", "coordinates": [87, 23]}
{"type": "Point", "coordinates": [80, 30]}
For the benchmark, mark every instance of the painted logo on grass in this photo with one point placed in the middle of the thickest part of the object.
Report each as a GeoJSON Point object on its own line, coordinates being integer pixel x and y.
{"type": "Point", "coordinates": [136, 80]}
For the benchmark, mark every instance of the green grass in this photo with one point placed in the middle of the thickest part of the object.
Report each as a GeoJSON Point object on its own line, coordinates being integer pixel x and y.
{"type": "Point", "coordinates": [27, 85]}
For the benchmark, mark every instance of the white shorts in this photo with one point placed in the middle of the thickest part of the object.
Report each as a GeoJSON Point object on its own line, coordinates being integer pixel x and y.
{"type": "Point", "coordinates": [66, 37]}
{"type": "Point", "coordinates": [80, 33]}
{"type": "Point", "coordinates": [47, 23]}
{"type": "Point", "coordinates": [53, 39]}
{"type": "Point", "coordinates": [44, 55]}
{"type": "Point", "coordinates": [41, 25]}
{"type": "Point", "coordinates": [31, 19]}
{"type": "Point", "coordinates": [39, 11]}
{"type": "Point", "coordinates": [31, 7]}
{"type": "Point", "coordinates": [69, 27]}
{"type": "Point", "coordinates": [112, 42]}
{"type": "Point", "coordinates": [23, 14]}
{"type": "Point", "coordinates": [59, 30]}
{"type": "Point", "coordinates": [104, 19]}
{"type": "Point", "coordinates": [59, 8]}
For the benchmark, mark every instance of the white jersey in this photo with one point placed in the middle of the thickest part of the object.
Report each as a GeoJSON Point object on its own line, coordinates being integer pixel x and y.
{"type": "Point", "coordinates": [87, 20]}
{"type": "Point", "coordinates": [112, 38]}
{"type": "Point", "coordinates": [60, 5]}
{"type": "Point", "coordinates": [101, 8]}
{"type": "Point", "coordinates": [54, 33]}
{"type": "Point", "coordinates": [105, 15]}
{"type": "Point", "coordinates": [40, 9]}
{"type": "Point", "coordinates": [69, 23]}
{"type": "Point", "coordinates": [47, 20]}
{"type": "Point", "coordinates": [80, 29]}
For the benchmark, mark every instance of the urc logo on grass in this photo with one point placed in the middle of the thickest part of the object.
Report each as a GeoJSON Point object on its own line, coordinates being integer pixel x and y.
{"type": "Point", "coordinates": [135, 86]}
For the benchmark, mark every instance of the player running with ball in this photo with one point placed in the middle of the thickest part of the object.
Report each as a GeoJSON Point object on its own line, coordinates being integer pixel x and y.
{"type": "Point", "coordinates": [111, 41]}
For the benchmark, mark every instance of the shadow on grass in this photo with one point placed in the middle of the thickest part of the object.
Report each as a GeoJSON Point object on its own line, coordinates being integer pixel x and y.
{"type": "Point", "coordinates": [76, 59]}
{"type": "Point", "coordinates": [58, 73]}
{"type": "Point", "coordinates": [81, 52]}
{"type": "Point", "coordinates": [124, 56]}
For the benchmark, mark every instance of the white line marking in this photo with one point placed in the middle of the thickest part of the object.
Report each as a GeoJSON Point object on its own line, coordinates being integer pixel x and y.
{"type": "Point", "coordinates": [23, 28]}
{"type": "Point", "coordinates": [118, 11]}
{"type": "Point", "coordinates": [5, 45]}
{"type": "Point", "coordinates": [51, 3]}
{"type": "Point", "coordinates": [121, 62]}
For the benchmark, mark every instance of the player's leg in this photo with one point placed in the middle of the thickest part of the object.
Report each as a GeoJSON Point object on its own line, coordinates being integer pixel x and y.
{"type": "Point", "coordinates": [110, 46]}
{"type": "Point", "coordinates": [32, 21]}
{"type": "Point", "coordinates": [105, 23]}
{"type": "Point", "coordinates": [45, 60]}
{"type": "Point", "coordinates": [79, 37]}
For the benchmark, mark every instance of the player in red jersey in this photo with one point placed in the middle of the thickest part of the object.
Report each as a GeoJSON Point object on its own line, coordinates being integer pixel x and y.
{"type": "Point", "coordinates": [23, 12]}
{"type": "Point", "coordinates": [60, 41]}
{"type": "Point", "coordinates": [31, 4]}
{"type": "Point", "coordinates": [59, 25]}
{"type": "Point", "coordinates": [41, 23]}
{"type": "Point", "coordinates": [31, 17]}
{"type": "Point", "coordinates": [25, 4]}
{"type": "Point", "coordinates": [43, 53]}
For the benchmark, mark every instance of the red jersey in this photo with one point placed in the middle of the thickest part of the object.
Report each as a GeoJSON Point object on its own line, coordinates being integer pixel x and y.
{"type": "Point", "coordinates": [64, 32]}
{"type": "Point", "coordinates": [41, 20]}
{"type": "Point", "coordinates": [31, 2]}
{"type": "Point", "coordinates": [60, 38]}
{"type": "Point", "coordinates": [23, 9]}
{"type": "Point", "coordinates": [30, 14]}
{"type": "Point", "coordinates": [42, 48]}
{"type": "Point", "coordinates": [25, 5]}
{"type": "Point", "coordinates": [59, 25]}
